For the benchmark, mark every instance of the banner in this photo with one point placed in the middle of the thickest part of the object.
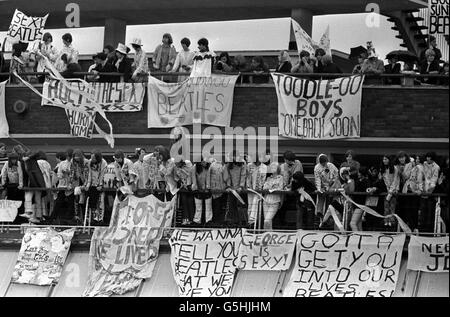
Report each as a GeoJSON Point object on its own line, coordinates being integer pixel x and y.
{"type": "Point", "coordinates": [113, 97]}
{"type": "Point", "coordinates": [322, 109]}
{"type": "Point", "coordinates": [26, 29]}
{"type": "Point", "coordinates": [81, 124]}
{"type": "Point", "coordinates": [205, 100]}
{"type": "Point", "coordinates": [345, 265]}
{"type": "Point", "coordinates": [269, 251]}
{"type": "Point", "coordinates": [439, 17]}
{"type": "Point", "coordinates": [204, 262]}
{"type": "Point", "coordinates": [126, 252]}
{"type": "Point", "coordinates": [9, 210]}
{"type": "Point", "coordinates": [42, 256]}
{"type": "Point", "coordinates": [4, 127]}
{"type": "Point", "coordinates": [304, 41]}
{"type": "Point", "coordinates": [428, 254]}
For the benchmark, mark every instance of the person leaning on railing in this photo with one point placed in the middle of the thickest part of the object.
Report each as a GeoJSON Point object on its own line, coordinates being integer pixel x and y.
{"type": "Point", "coordinates": [258, 66]}
{"type": "Point", "coordinates": [305, 64]}
{"type": "Point", "coordinates": [428, 204]}
{"type": "Point", "coordinates": [429, 66]}
{"type": "Point", "coordinates": [444, 72]}
{"type": "Point", "coordinates": [305, 208]}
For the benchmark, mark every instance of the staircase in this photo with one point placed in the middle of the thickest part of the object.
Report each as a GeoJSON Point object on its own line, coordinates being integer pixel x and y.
{"type": "Point", "coordinates": [412, 27]}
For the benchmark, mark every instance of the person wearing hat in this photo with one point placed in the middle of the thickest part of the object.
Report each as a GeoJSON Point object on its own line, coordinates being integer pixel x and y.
{"type": "Point", "coordinates": [122, 63]}
{"type": "Point", "coordinates": [372, 66]}
{"type": "Point", "coordinates": [140, 64]}
{"type": "Point", "coordinates": [165, 54]}
{"type": "Point", "coordinates": [104, 67]}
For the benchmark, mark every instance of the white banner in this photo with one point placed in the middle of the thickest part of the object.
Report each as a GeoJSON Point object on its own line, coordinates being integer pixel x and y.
{"type": "Point", "coordinates": [428, 254]}
{"type": "Point", "coordinates": [439, 17]}
{"type": "Point", "coordinates": [26, 29]}
{"type": "Point", "coordinates": [42, 256]}
{"type": "Point", "coordinates": [4, 127]}
{"type": "Point", "coordinates": [113, 97]}
{"type": "Point", "coordinates": [204, 262]}
{"type": "Point", "coordinates": [304, 41]}
{"type": "Point", "coordinates": [126, 252]}
{"type": "Point", "coordinates": [319, 109]}
{"type": "Point", "coordinates": [269, 251]}
{"type": "Point", "coordinates": [206, 100]}
{"type": "Point", "coordinates": [9, 209]}
{"type": "Point", "coordinates": [345, 265]}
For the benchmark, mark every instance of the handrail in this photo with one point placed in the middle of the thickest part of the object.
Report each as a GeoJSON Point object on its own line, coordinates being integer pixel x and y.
{"type": "Point", "coordinates": [263, 192]}
{"type": "Point", "coordinates": [264, 74]}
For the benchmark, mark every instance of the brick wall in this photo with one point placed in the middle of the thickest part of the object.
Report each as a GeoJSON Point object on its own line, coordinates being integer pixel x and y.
{"type": "Point", "coordinates": [386, 112]}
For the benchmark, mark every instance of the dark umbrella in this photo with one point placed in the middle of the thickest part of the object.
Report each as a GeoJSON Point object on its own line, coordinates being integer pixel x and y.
{"type": "Point", "coordinates": [402, 56]}
{"type": "Point", "coordinates": [356, 51]}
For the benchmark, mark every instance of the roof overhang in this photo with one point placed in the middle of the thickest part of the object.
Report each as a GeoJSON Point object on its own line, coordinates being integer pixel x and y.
{"type": "Point", "coordinates": [134, 12]}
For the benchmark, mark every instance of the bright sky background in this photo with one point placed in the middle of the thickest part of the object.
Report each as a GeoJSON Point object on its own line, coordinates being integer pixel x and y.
{"type": "Point", "coordinates": [346, 31]}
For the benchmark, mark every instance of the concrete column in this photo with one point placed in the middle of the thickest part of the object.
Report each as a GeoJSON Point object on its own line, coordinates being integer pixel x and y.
{"type": "Point", "coordinates": [115, 31]}
{"type": "Point", "coordinates": [305, 19]}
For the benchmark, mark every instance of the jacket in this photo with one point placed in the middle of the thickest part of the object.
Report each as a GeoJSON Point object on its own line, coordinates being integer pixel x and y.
{"type": "Point", "coordinates": [12, 175]}
{"type": "Point", "coordinates": [157, 57]}
{"type": "Point", "coordinates": [325, 179]}
{"type": "Point", "coordinates": [95, 177]}
{"type": "Point", "coordinates": [431, 174]}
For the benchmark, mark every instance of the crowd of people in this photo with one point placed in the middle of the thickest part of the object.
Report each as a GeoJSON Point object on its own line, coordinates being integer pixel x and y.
{"type": "Point", "coordinates": [81, 188]}
{"type": "Point", "coordinates": [202, 61]}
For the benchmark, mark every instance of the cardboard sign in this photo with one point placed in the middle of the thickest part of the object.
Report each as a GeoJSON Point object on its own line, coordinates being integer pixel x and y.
{"type": "Point", "coordinates": [81, 124]}
{"type": "Point", "coordinates": [126, 252]}
{"type": "Point", "coordinates": [204, 262]}
{"type": "Point", "coordinates": [42, 256]}
{"type": "Point", "coordinates": [319, 109]}
{"type": "Point", "coordinates": [9, 210]}
{"type": "Point", "coordinates": [439, 17]}
{"type": "Point", "coordinates": [345, 265]}
{"type": "Point", "coordinates": [26, 29]}
{"type": "Point", "coordinates": [4, 127]}
{"type": "Point", "coordinates": [206, 100]}
{"type": "Point", "coordinates": [428, 254]}
{"type": "Point", "coordinates": [113, 97]}
{"type": "Point", "coordinates": [269, 251]}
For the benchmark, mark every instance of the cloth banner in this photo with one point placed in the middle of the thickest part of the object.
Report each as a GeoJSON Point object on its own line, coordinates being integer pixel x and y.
{"type": "Point", "coordinates": [269, 251]}
{"type": "Point", "coordinates": [9, 210]}
{"type": "Point", "coordinates": [4, 127]}
{"type": "Point", "coordinates": [319, 109]}
{"type": "Point", "coordinates": [345, 265]}
{"type": "Point", "coordinates": [87, 108]}
{"type": "Point", "coordinates": [428, 254]}
{"type": "Point", "coordinates": [205, 100]}
{"type": "Point", "coordinates": [204, 262]}
{"type": "Point", "coordinates": [439, 19]}
{"type": "Point", "coordinates": [126, 252]}
{"type": "Point", "coordinates": [42, 256]}
{"type": "Point", "coordinates": [113, 97]}
{"type": "Point", "coordinates": [306, 43]}
{"type": "Point", "coordinates": [81, 124]}
{"type": "Point", "coordinates": [26, 29]}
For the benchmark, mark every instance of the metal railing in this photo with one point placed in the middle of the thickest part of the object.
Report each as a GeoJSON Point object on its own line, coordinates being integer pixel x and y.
{"type": "Point", "coordinates": [243, 76]}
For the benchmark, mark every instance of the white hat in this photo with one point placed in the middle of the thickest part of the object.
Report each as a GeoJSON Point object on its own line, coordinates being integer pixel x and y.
{"type": "Point", "coordinates": [136, 41]}
{"type": "Point", "coordinates": [122, 48]}
{"type": "Point", "coordinates": [372, 53]}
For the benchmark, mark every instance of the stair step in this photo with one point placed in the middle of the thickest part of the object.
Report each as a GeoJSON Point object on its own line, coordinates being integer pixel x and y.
{"type": "Point", "coordinates": [403, 45]}
{"type": "Point", "coordinates": [421, 36]}
{"type": "Point", "coordinates": [418, 27]}
{"type": "Point", "coordinates": [391, 19]}
{"type": "Point", "coordinates": [411, 11]}
{"type": "Point", "coordinates": [395, 28]}
{"type": "Point", "coordinates": [399, 36]}
{"type": "Point", "coordinates": [414, 19]}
